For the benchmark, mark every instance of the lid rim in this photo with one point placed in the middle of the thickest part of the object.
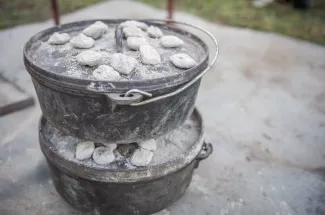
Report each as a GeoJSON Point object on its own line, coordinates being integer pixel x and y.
{"type": "Point", "coordinates": [112, 86]}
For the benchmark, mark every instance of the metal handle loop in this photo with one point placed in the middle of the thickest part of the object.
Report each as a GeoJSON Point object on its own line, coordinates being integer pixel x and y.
{"type": "Point", "coordinates": [119, 39]}
{"type": "Point", "coordinates": [194, 79]}
{"type": "Point", "coordinates": [133, 91]}
{"type": "Point", "coordinates": [205, 152]}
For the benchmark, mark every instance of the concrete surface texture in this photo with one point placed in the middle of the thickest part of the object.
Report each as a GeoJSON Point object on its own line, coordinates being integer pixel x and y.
{"type": "Point", "coordinates": [264, 109]}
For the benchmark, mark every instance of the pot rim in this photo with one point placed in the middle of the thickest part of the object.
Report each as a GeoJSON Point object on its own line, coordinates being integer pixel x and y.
{"type": "Point", "coordinates": [58, 80]}
{"type": "Point", "coordinates": [125, 175]}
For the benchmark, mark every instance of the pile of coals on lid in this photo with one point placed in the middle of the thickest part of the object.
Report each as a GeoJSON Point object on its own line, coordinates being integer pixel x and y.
{"type": "Point", "coordinates": [148, 52]}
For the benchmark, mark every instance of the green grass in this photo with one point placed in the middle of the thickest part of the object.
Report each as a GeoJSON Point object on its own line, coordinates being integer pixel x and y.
{"type": "Point", "coordinates": [16, 12]}
{"type": "Point", "coordinates": [307, 25]}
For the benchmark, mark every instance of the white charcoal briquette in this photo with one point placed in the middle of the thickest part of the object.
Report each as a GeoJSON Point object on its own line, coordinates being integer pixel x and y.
{"type": "Point", "coordinates": [59, 39]}
{"type": "Point", "coordinates": [103, 155]}
{"type": "Point", "coordinates": [82, 42]}
{"type": "Point", "coordinates": [141, 157]}
{"type": "Point", "coordinates": [95, 30]}
{"type": "Point", "coordinates": [182, 61]}
{"type": "Point", "coordinates": [149, 55]}
{"type": "Point", "coordinates": [133, 32]}
{"type": "Point", "coordinates": [170, 41]}
{"type": "Point", "coordinates": [84, 150]}
{"type": "Point", "coordinates": [135, 42]}
{"type": "Point", "coordinates": [89, 58]}
{"type": "Point", "coordinates": [105, 58]}
{"type": "Point", "coordinates": [133, 23]}
{"type": "Point", "coordinates": [154, 32]}
{"type": "Point", "coordinates": [150, 145]}
{"type": "Point", "coordinates": [105, 72]}
{"type": "Point", "coordinates": [122, 63]}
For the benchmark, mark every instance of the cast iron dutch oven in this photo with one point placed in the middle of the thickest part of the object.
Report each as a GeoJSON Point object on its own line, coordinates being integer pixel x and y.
{"type": "Point", "coordinates": [117, 111]}
{"type": "Point", "coordinates": [120, 191]}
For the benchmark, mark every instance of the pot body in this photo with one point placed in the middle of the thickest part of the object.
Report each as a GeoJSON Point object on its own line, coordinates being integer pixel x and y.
{"type": "Point", "coordinates": [140, 198]}
{"type": "Point", "coordinates": [97, 118]}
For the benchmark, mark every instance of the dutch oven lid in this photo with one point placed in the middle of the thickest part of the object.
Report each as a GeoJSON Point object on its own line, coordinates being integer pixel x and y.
{"type": "Point", "coordinates": [53, 65]}
{"type": "Point", "coordinates": [174, 151]}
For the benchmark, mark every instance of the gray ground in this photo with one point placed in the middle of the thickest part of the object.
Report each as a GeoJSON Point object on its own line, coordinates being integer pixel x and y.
{"type": "Point", "coordinates": [264, 108]}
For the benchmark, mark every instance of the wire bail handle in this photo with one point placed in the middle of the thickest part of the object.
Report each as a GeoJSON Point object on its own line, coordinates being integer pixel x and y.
{"type": "Point", "coordinates": [177, 91]}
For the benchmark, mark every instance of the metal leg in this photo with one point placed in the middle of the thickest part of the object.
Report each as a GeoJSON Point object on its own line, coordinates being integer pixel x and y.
{"type": "Point", "coordinates": [55, 12]}
{"type": "Point", "coordinates": [170, 9]}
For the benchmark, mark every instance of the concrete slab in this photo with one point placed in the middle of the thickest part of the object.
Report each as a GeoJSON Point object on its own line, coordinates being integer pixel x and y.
{"type": "Point", "coordinates": [263, 105]}
{"type": "Point", "coordinates": [13, 101]}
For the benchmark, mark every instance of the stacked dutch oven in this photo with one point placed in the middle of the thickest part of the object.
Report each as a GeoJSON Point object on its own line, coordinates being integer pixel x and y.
{"type": "Point", "coordinates": [119, 130]}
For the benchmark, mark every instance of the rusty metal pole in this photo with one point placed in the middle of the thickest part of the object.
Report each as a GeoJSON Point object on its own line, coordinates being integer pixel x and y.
{"type": "Point", "coordinates": [170, 9]}
{"type": "Point", "coordinates": [55, 12]}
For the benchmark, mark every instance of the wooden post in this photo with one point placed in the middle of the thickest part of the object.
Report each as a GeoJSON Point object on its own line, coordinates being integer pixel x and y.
{"type": "Point", "coordinates": [170, 9]}
{"type": "Point", "coordinates": [55, 12]}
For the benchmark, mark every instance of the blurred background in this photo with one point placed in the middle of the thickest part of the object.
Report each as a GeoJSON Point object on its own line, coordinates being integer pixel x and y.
{"type": "Point", "coordinates": [303, 19]}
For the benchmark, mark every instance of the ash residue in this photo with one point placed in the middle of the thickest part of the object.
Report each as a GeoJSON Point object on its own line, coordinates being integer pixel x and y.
{"type": "Point", "coordinates": [61, 59]}
{"type": "Point", "coordinates": [169, 147]}
{"type": "Point", "coordinates": [316, 204]}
